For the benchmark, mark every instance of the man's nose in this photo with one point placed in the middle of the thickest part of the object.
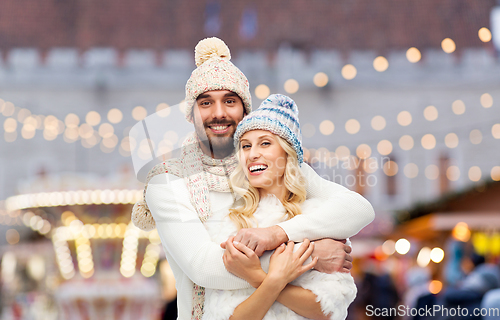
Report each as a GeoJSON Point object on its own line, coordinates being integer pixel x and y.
{"type": "Point", "coordinates": [219, 110]}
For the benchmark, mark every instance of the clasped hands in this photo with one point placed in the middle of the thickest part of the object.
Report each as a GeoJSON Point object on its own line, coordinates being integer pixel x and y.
{"type": "Point", "coordinates": [242, 253]}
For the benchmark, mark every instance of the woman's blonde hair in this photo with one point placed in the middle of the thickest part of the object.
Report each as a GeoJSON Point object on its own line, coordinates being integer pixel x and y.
{"type": "Point", "coordinates": [294, 183]}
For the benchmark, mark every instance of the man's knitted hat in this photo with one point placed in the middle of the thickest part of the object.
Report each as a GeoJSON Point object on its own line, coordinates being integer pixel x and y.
{"type": "Point", "coordinates": [278, 114]}
{"type": "Point", "coordinates": [215, 72]}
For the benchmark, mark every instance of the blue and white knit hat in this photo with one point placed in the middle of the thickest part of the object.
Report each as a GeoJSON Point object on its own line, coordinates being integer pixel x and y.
{"type": "Point", "coordinates": [278, 114]}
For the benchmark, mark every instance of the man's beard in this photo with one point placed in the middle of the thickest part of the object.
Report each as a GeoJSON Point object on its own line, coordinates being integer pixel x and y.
{"type": "Point", "coordinates": [219, 146]}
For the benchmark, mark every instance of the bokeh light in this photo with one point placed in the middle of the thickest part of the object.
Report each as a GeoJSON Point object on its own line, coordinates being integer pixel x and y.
{"type": "Point", "coordinates": [352, 126]}
{"type": "Point", "coordinates": [349, 72]}
{"type": "Point", "coordinates": [448, 45]}
{"type": "Point", "coordinates": [475, 173]}
{"type": "Point", "coordinates": [115, 116]}
{"type": "Point", "coordinates": [475, 136]}
{"type": "Point", "coordinates": [326, 127]}
{"type": "Point", "coordinates": [486, 100]}
{"type": "Point", "coordinates": [139, 113]}
{"type": "Point", "coordinates": [458, 107]}
{"type": "Point", "coordinates": [437, 255]}
{"type": "Point", "coordinates": [413, 55]}
{"type": "Point", "coordinates": [384, 147]}
{"type": "Point", "coordinates": [411, 170]}
{"type": "Point", "coordinates": [484, 34]}
{"type": "Point", "coordinates": [378, 123]}
{"type": "Point", "coordinates": [320, 79]}
{"type": "Point", "coordinates": [404, 118]}
{"type": "Point", "coordinates": [451, 140]}
{"type": "Point", "coordinates": [380, 64]}
{"type": "Point", "coordinates": [291, 86]}
{"type": "Point", "coordinates": [390, 168]}
{"type": "Point", "coordinates": [428, 141]}
{"type": "Point", "coordinates": [363, 151]}
{"type": "Point", "coordinates": [406, 142]}
{"type": "Point", "coordinates": [403, 246]}
{"type": "Point", "coordinates": [432, 172]}
{"type": "Point", "coordinates": [453, 173]}
{"type": "Point", "coordinates": [430, 113]}
{"type": "Point", "coordinates": [93, 118]}
{"type": "Point", "coordinates": [262, 91]}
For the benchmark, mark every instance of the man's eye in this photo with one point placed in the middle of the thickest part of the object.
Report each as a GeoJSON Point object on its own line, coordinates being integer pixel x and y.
{"type": "Point", "coordinates": [205, 103]}
{"type": "Point", "coordinates": [231, 101]}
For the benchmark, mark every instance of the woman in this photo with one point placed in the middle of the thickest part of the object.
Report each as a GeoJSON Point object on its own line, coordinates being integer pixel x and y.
{"type": "Point", "coordinates": [273, 190]}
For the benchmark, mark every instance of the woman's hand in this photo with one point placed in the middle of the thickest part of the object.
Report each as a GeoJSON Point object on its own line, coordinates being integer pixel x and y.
{"type": "Point", "coordinates": [243, 262]}
{"type": "Point", "coordinates": [286, 265]}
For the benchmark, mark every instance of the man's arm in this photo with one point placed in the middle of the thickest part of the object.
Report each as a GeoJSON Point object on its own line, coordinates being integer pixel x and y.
{"type": "Point", "coordinates": [343, 213]}
{"type": "Point", "coordinates": [184, 236]}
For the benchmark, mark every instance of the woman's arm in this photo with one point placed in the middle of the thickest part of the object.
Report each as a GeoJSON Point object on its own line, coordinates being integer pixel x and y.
{"type": "Point", "coordinates": [285, 267]}
{"type": "Point", "coordinates": [342, 214]}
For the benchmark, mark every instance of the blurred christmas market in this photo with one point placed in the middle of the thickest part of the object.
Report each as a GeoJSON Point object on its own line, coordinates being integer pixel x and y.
{"type": "Point", "coordinates": [398, 101]}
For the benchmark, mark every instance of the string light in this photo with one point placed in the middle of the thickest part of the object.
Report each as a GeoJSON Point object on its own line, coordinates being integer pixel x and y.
{"type": "Point", "coordinates": [486, 100]}
{"type": "Point", "coordinates": [430, 113]}
{"type": "Point", "coordinates": [404, 118]}
{"type": "Point", "coordinates": [139, 113]}
{"type": "Point", "coordinates": [352, 126]}
{"type": "Point", "coordinates": [54, 199]}
{"type": "Point", "coordinates": [413, 55]}
{"type": "Point", "coordinates": [326, 127]}
{"type": "Point", "coordinates": [453, 173]}
{"type": "Point", "coordinates": [262, 91]}
{"type": "Point", "coordinates": [428, 141]}
{"type": "Point", "coordinates": [475, 173]}
{"type": "Point", "coordinates": [484, 34]}
{"type": "Point", "coordinates": [411, 170]}
{"type": "Point", "coordinates": [451, 140]}
{"type": "Point", "coordinates": [378, 123]}
{"type": "Point", "coordinates": [432, 172]}
{"type": "Point", "coordinates": [349, 72]}
{"type": "Point", "coordinates": [448, 45]}
{"type": "Point", "coordinates": [380, 64]}
{"type": "Point", "coordinates": [291, 86]}
{"type": "Point", "coordinates": [320, 79]}
{"type": "Point", "coordinates": [406, 142]}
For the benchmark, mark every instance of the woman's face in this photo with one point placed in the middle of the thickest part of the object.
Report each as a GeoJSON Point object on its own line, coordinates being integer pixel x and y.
{"type": "Point", "coordinates": [263, 161]}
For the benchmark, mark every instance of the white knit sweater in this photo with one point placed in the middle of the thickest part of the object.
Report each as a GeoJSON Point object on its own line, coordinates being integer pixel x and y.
{"type": "Point", "coordinates": [194, 257]}
{"type": "Point", "coordinates": [334, 291]}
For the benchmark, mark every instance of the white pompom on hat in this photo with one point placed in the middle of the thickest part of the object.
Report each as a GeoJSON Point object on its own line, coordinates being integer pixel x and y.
{"type": "Point", "coordinates": [215, 72]}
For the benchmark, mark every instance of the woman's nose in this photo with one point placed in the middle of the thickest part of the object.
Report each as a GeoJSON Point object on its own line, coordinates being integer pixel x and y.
{"type": "Point", "coordinates": [254, 153]}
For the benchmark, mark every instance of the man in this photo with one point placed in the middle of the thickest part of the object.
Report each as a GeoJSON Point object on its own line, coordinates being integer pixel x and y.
{"type": "Point", "coordinates": [182, 193]}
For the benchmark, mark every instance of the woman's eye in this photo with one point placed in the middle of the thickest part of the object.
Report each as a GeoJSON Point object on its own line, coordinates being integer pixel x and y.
{"type": "Point", "coordinates": [245, 146]}
{"type": "Point", "coordinates": [265, 143]}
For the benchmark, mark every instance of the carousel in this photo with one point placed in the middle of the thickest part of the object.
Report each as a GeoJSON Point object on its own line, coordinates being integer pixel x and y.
{"type": "Point", "coordinates": [92, 260]}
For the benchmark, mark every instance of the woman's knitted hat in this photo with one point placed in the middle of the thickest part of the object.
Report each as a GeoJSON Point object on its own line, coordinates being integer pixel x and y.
{"type": "Point", "coordinates": [278, 114]}
{"type": "Point", "coordinates": [215, 72]}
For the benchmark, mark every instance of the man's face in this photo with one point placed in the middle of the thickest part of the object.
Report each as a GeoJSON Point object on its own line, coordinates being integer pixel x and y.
{"type": "Point", "coordinates": [216, 115]}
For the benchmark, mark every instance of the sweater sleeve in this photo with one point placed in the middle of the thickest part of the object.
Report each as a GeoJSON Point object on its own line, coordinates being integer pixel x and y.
{"type": "Point", "coordinates": [184, 236]}
{"type": "Point", "coordinates": [343, 213]}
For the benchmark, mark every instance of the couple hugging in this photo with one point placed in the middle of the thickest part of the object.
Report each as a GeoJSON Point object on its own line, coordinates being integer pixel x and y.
{"type": "Point", "coordinates": [238, 211]}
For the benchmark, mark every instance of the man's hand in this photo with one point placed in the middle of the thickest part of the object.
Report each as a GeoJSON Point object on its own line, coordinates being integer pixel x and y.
{"type": "Point", "coordinates": [333, 256]}
{"type": "Point", "coordinates": [260, 239]}
{"type": "Point", "coordinates": [243, 263]}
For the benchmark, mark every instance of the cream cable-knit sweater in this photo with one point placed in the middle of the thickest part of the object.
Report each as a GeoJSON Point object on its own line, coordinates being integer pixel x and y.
{"type": "Point", "coordinates": [194, 257]}
{"type": "Point", "coordinates": [334, 292]}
